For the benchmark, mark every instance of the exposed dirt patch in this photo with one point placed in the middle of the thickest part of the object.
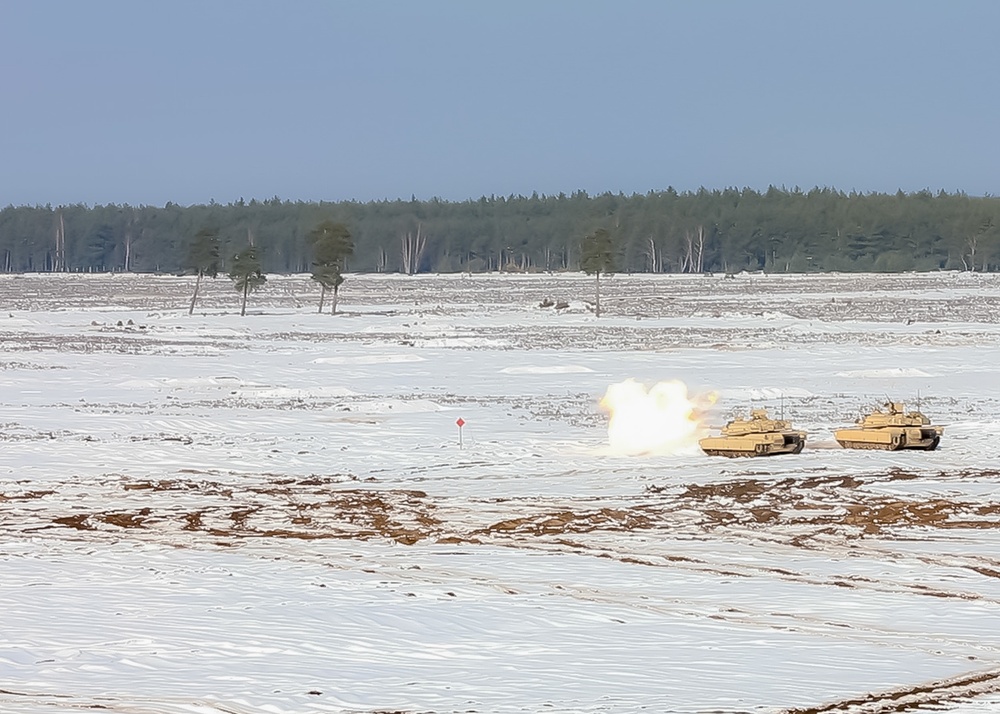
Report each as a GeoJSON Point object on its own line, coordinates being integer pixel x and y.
{"type": "Point", "coordinates": [26, 496]}
{"type": "Point", "coordinates": [281, 511]}
{"type": "Point", "coordinates": [923, 697]}
{"type": "Point", "coordinates": [835, 504]}
{"type": "Point", "coordinates": [612, 519]}
{"type": "Point", "coordinates": [806, 513]}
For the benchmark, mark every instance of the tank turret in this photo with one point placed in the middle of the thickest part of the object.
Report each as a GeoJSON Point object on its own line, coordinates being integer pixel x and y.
{"type": "Point", "coordinates": [759, 435]}
{"type": "Point", "coordinates": [891, 430]}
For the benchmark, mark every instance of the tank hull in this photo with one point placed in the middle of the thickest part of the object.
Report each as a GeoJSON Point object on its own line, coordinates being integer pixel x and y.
{"type": "Point", "coordinates": [890, 438]}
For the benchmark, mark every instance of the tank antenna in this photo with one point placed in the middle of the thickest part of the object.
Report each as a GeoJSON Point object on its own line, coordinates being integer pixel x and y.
{"type": "Point", "coordinates": [781, 408]}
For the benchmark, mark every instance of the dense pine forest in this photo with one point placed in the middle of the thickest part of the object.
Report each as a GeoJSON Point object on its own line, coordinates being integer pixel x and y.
{"type": "Point", "coordinates": [730, 230]}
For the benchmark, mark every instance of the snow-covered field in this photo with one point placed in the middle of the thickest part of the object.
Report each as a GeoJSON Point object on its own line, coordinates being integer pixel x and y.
{"type": "Point", "coordinates": [212, 514]}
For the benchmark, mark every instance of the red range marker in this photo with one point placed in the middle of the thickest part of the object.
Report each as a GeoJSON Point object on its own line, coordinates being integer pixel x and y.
{"type": "Point", "coordinates": [460, 421]}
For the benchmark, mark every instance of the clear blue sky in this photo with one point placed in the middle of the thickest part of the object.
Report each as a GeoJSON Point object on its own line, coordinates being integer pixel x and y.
{"type": "Point", "coordinates": [193, 100]}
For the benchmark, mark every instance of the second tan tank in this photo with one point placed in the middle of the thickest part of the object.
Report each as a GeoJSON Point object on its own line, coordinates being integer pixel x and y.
{"type": "Point", "coordinates": [756, 436]}
{"type": "Point", "coordinates": [891, 430]}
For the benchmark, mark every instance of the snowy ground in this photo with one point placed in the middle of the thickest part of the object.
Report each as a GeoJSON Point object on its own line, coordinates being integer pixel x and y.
{"type": "Point", "coordinates": [213, 514]}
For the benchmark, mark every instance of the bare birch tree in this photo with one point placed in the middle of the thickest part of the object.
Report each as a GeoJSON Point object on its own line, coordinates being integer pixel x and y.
{"type": "Point", "coordinates": [700, 250]}
{"type": "Point", "coordinates": [412, 248]}
{"type": "Point", "coordinates": [129, 225]}
{"type": "Point", "coordinates": [59, 261]}
{"type": "Point", "coordinates": [693, 258]}
{"type": "Point", "coordinates": [652, 255]}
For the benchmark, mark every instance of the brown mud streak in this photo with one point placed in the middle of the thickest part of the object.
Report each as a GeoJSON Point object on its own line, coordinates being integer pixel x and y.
{"type": "Point", "coordinates": [613, 519]}
{"type": "Point", "coordinates": [815, 507]}
{"type": "Point", "coordinates": [27, 495]}
{"type": "Point", "coordinates": [125, 520]}
{"type": "Point", "coordinates": [836, 502]}
{"type": "Point", "coordinates": [78, 521]}
{"type": "Point", "coordinates": [919, 696]}
{"type": "Point", "coordinates": [403, 516]}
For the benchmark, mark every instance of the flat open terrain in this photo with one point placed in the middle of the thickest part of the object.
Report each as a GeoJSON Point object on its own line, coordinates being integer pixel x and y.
{"type": "Point", "coordinates": [211, 514]}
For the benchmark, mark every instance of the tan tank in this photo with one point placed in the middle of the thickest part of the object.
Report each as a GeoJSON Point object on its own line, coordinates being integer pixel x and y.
{"type": "Point", "coordinates": [756, 436]}
{"type": "Point", "coordinates": [891, 430]}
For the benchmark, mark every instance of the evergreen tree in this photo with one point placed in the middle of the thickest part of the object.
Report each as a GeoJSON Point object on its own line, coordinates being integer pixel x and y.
{"type": "Point", "coordinates": [332, 245]}
{"type": "Point", "coordinates": [777, 230]}
{"type": "Point", "coordinates": [202, 259]}
{"type": "Point", "coordinates": [597, 253]}
{"type": "Point", "coordinates": [246, 274]}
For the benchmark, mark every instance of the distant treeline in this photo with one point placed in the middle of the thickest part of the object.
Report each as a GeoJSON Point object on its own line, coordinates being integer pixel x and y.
{"type": "Point", "coordinates": [728, 230]}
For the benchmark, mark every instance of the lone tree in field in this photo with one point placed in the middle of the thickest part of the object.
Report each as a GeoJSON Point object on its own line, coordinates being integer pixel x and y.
{"type": "Point", "coordinates": [203, 258]}
{"type": "Point", "coordinates": [597, 255]}
{"type": "Point", "coordinates": [332, 245]}
{"type": "Point", "coordinates": [246, 274]}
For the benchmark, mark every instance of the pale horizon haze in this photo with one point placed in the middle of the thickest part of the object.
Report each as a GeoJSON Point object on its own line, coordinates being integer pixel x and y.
{"type": "Point", "coordinates": [190, 102]}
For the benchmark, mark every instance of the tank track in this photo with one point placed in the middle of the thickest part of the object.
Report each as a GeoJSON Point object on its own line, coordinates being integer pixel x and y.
{"type": "Point", "coordinates": [888, 447]}
{"type": "Point", "coordinates": [867, 445]}
{"type": "Point", "coordinates": [731, 454]}
{"type": "Point", "coordinates": [749, 454]}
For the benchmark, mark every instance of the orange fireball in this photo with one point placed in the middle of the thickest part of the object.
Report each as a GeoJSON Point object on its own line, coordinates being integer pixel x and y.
{"type": "Point", "coordinates": [661, 420]}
